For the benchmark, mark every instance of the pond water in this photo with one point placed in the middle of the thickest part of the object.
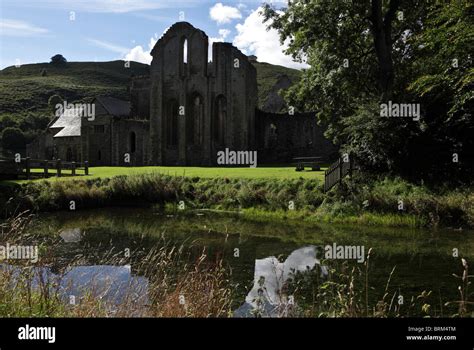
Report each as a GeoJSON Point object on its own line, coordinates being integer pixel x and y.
{"type": "Point", "coordinates": [261, 255]}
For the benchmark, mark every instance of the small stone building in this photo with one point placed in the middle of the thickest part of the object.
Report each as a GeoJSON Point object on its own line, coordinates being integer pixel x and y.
{"type": "Point", "coordinates": [184, 112]}
{"type": "Point", "coordinates": [61, 140]}
{"type": "Point", "coordinates": [113, 137]}
{"type": "Point", "coordinates": [106, 139]}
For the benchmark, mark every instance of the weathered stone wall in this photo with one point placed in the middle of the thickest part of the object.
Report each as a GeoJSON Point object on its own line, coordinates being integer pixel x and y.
{"type": "Point", "coordinates": [235, 80]}
{"type": "Point", "coordinates": [217, 99]}
{"type": "Point", "coordinates": [46, 147]}
{"type": "Point", "coordinates": [283, 137]}
{"type": "Point", "coordinates": [140, 97]}
{"type": "Point", "coordinates": [42, 147]}
{"type": "Point", "coordinates": [110, 140]}
{"type": "Point", "coordinates": [133, 136]}
{"type": "Point", "coordinates": [97, 137]}
{"type": "Point", "coordinates": [68, 149]}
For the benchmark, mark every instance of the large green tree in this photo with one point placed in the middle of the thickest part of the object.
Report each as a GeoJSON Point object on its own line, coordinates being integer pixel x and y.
{"type": "Point", "coordinates": [362, 54]}
{"type": "Point", "coordinates": [443, 81]}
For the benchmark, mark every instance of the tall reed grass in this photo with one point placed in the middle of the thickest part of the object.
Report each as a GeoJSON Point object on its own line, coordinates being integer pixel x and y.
{"type": "Point", "coordinates": [177, 285]}
{"type": "Point", "coordinates": [181, 284]}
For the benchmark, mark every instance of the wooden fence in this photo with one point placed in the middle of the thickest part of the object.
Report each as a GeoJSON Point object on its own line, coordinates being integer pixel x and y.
{"type": "Point", "coordinates": [25, 166]}
{"type": "Point", "coordinates": [337, 171]}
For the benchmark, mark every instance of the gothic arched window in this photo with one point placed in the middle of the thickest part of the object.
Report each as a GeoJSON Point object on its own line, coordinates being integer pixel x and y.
{"type": "Point", "coordinates": [184, 56]}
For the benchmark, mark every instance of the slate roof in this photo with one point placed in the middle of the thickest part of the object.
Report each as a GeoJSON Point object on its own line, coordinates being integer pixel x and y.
{"type": "Point", "coordinates": [69, 122]}
{"type": "Point", "coordinates": [114, 106]}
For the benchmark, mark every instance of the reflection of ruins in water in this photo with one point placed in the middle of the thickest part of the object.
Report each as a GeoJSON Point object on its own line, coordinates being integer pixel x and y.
{"type": "Point", "coordinates": [122, 284]}
{"type": "Point", "coordinates": [113, 284]}
{"type": "Point", "coordinates": [267, 297]}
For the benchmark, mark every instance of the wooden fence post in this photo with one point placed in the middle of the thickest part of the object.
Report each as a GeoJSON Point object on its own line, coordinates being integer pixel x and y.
{"type": "Point", "coordinates": [73, 168]}
{"type": "Point", "coordinates": [86, 168]}
{"type": "Point", "coordinates": [58, 168]}
{"type": "Point", "coordinates": [340, 170]}
{"type": "Point", "coordinates": [46, 169]}
{"type": "Point", "coordinates": [27, 167]}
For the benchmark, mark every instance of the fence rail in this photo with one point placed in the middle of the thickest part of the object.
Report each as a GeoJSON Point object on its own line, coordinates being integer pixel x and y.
{"type": "Point", "coordinates": [337, 171]}
{"type": "Point", "coordinates": [25, 166]}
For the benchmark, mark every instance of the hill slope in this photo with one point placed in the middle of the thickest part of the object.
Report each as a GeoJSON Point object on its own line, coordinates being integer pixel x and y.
{"type": "Point", "coordinates": [268, 78]}
{"type": "Point", "coordinates": [24, 91]}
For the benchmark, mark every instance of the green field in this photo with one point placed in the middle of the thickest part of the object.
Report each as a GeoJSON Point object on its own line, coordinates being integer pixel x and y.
{"type": "Point", "coordinates": [284, 172]}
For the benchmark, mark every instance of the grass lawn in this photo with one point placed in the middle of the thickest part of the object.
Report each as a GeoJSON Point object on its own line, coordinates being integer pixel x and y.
{"type": "Point", "coordinates": [284, 172]}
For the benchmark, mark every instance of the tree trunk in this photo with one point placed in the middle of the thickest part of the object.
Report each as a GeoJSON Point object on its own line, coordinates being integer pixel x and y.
{"type": "Point", "coordinates": [382, 33]}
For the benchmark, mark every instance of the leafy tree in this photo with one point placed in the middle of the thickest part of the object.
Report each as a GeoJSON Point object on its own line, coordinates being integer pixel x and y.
{"type": "Point", "coordinates": [13, 139]}
{"type": "Point", "coordinates": [58, 60]}
{"type": "Point", "coordinates": [368, 52]}
{"type": "Point", "coordinates": [443, 82]}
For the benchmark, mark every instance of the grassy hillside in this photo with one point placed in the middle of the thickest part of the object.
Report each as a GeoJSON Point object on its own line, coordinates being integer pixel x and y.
{"type": "Point", "coordinates": [267, 76]}
{"type": "Point", "coordinates": [24, 91]}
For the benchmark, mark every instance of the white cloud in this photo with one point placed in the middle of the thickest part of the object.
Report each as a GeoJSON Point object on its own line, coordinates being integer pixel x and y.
{"type": "Point", "coordinates": [11, 27]}
{"type": "Point", "coordinates": [224, 14]}
{"type": "Point", "coordinates": [224, 33]}
{"type": "Point", "coordinates": [139, 54]}
{"type": "Point", "coordinates": [253, 38]}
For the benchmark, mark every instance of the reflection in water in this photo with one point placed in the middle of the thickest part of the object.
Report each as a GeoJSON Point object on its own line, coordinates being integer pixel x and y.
{"type": "Point", "coordinates": [423, 258]}
{"type": "Point", "coordinates": [111, 283]}
{"type": "Point", "coordinates": [114, 284]}
{"type": "Point", "coordinates": [267, 295]}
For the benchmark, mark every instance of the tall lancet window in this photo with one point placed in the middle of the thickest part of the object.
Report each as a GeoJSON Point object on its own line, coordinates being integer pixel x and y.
{"type": "Point", "coordinates": [185, 51]}
{"type": "Point", "coordinates": [184, 56]}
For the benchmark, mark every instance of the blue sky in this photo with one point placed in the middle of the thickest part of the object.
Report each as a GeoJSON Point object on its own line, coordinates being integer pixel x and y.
{"type": "Point", "coordinates": [31, 31]}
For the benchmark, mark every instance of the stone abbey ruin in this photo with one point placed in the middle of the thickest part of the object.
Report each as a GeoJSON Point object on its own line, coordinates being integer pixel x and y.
{"type": "Point", "coordinates": [185, 111]}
